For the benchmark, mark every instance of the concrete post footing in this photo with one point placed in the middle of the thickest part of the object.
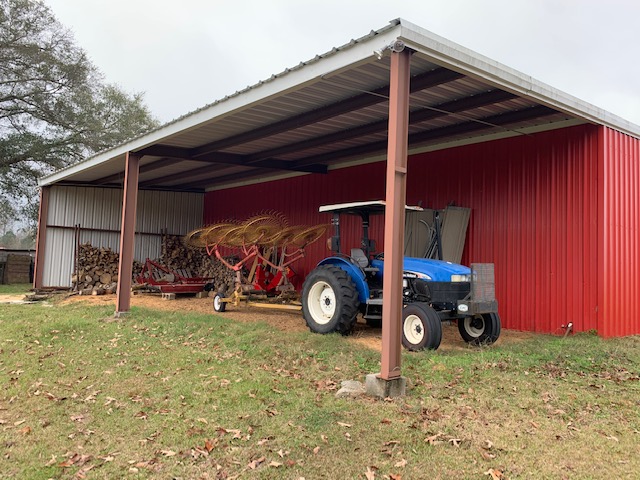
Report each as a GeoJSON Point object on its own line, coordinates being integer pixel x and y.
{"type": "Point", "coordinates": [380, 388]}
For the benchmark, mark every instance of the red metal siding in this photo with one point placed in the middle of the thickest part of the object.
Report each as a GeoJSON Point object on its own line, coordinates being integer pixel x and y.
{"type": "Point", "coordinates": [534, 214]}
{"type": "Point", "coordinates": [620, 234]}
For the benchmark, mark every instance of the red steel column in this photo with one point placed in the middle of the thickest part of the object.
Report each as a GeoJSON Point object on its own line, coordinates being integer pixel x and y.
{"type": "Point", "coordinates": [127, 233]}
{"type": "Point", "coordinates": [41, 236]}
{"type": "Point", "coordinates": [394, 217]}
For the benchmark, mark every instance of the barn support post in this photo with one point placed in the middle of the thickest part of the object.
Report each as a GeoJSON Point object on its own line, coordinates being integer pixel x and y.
{"type": "Point", "coordinates": [127, 233]}
{"type": "Point", "coordinates": [41, 236]}
{"type": "Point", "coordinates": [389, 381]}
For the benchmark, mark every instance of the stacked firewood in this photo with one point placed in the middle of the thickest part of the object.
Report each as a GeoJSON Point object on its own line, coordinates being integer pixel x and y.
{"type": "Point", "coordinates": [176, 254]}
{"type": "Point", "coordinates": [97, 268]}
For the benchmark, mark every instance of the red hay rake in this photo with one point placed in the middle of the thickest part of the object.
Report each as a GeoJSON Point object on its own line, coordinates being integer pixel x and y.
{"type": "Point", "coordinates": [265, 241]}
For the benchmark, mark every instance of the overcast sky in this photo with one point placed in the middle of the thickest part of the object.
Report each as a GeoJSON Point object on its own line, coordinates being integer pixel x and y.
{"type": "Point", "coordinates": [188, 53]}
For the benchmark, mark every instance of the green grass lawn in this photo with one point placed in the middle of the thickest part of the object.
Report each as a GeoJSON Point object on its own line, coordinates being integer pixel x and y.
{"type": "Point", "coordinates": [171, 395]}
{"type": "Point", "coordinates": [15, 289]}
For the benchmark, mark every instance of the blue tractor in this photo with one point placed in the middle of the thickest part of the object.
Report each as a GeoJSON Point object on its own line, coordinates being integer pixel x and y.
{"type": "Point", "coordinates": [344, 285]}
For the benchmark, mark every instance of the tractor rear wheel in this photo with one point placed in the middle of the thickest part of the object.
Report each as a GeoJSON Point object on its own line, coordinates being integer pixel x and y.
{"type": "Point", "coordinates": [421, 327]}
{"type": "Point", "coordinates": [329, 300]}
{"type": "Point", "coordinates": [480, 329]}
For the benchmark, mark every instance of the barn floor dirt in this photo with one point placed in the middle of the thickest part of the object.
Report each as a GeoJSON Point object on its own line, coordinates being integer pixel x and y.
{"type": "Point", "coordinates": [285, 321]}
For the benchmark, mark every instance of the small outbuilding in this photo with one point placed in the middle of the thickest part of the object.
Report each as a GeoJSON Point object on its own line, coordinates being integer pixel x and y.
{"type": "Point", "coordinates": [553, 182]}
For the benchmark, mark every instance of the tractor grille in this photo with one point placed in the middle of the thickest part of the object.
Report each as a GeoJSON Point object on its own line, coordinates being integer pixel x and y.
{"type": "Point", "coordinates": [483, 287]}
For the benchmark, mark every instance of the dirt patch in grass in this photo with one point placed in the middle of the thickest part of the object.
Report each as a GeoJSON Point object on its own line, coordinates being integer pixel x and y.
{"type": "Point", "coordinates": [11, 298]}
{"type": "Point", "coordinates": [285, 321]}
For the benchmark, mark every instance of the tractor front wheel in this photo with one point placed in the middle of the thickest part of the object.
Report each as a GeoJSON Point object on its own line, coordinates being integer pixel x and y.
{"type": "Point", "coordinates": [421, 327]}
{"type": "Point", "coordinates": [329, 300]}
{"type": "Point", "coordinates": [480, 329]}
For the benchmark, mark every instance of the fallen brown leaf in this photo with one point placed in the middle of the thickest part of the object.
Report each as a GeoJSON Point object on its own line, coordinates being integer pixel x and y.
{"type": "Point", "coordinates": [395, 477]}
{"type": "Point", "coordinates": [274, 464]}
{"type": "Point", "coordinates": [316, 450]}
{"type": "Point", "coordinates": [402, 463]}
{"type": "Point", "coordinates": [347, 425]}
{"type": "Point", "coordinates": [487, 444]}
{"type": "Point", "coordinates": [434, 439]}
{"type": "Point", "coordinates": [370, 474]}
{"type": "Point", "coordinates": [495, 474]}
{"type": "Point", "coordinates": [487, 455]}
{"type": "Point", "coordinates": [256, 463]}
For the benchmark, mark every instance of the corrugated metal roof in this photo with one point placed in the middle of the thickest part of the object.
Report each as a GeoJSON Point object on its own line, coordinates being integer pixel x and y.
{"type": "Point", "coordinates": [333, 109]}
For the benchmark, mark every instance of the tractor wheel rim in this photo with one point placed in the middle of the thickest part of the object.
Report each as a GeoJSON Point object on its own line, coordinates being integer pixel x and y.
{"type": "Point", "coordinates": [474, 326]}
{"type": "Point", "coordinates": [322, 302]}
{"type": "Point", "coordinates": [413, 329]}
{"type": "Point", "coordinates": [216, 302]}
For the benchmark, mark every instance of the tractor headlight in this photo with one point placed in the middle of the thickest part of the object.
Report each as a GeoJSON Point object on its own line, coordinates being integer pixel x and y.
{"type": "Point", "coordinates": [461, 278]}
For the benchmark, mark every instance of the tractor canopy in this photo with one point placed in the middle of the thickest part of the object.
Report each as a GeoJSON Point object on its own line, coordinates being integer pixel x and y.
{"type": "Point", "coordinates": [436, 270]}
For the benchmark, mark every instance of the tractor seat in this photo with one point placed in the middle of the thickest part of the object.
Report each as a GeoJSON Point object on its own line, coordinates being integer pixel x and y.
{"type": "Point", "coordinates": [359, 257]}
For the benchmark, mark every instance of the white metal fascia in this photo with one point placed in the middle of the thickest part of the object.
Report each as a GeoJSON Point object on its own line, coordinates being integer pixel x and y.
{"type": "Point", "coordinates": [290, 80]}
{"type": "Point", "coordinates": [461, 59]}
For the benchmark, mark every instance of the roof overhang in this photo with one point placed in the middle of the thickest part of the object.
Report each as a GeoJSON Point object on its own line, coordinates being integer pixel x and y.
{"type": "Point", "coordinates": [331, 112]}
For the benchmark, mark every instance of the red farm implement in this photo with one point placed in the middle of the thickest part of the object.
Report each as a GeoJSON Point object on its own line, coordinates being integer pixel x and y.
{"type": "Point", "coordinates": [263, 249]}
{"type": "Point", "coordinates": [160, 278]}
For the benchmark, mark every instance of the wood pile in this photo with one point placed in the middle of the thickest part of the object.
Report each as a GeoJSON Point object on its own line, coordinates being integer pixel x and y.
{"type": "Point", "coordinates": [177, 255]}
{"type": "Point", "coordinates": [97, 271]}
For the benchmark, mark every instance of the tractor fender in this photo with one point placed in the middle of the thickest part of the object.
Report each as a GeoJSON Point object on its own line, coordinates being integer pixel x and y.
{"type": "Point", "coordinates": [355, 272]}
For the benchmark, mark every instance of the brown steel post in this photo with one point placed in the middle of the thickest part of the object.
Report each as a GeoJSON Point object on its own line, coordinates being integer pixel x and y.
{"type": "Point", "coordinates": [127, 233]}
{"type": "Point", "coordinates": [41, 236]}
{"type": "Point", "coordinates": [394, 217]}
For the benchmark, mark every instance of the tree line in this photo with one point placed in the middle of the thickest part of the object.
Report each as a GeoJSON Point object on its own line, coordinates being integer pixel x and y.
{"type": "Point", "coordinates": [55, 106]}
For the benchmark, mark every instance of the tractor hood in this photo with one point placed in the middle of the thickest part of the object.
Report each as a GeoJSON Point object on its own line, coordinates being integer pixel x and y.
{"type": "Point", "coordinates": [437, 270]}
